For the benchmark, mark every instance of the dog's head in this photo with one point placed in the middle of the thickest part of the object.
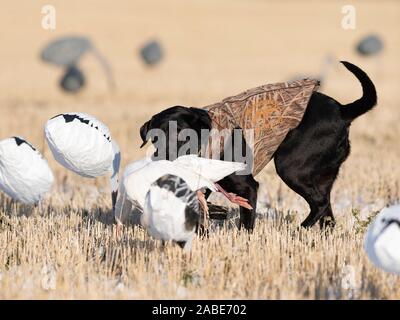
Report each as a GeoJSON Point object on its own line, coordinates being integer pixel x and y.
{"type": "Point", "coordinates": [175, 117]}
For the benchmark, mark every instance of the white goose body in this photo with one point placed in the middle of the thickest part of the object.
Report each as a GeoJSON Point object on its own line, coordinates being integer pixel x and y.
{"type": "Point", "coordinates": [25, 175]}
{"type": "Point", "coordinates": [171, 211]}
{"type": "Point", "coordinates": [382, 241]}
{"type": "Point", "coordinates": [197, 172]}
{"type": "Point", "coordinates": [83, 144]}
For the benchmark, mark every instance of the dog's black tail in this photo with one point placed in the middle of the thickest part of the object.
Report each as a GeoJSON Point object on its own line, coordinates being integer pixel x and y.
{"type": "Point", "coordinates": [366, 102]}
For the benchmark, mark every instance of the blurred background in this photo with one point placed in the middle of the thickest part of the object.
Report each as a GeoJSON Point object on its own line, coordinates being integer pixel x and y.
{"type": "Point", "coordinates": [208, 50]}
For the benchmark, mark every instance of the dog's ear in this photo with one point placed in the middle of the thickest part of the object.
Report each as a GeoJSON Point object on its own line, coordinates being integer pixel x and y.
{"type": "Point", "coordinates": [143, 133]}
{"type": "Point", "coordinates": [203, 119]}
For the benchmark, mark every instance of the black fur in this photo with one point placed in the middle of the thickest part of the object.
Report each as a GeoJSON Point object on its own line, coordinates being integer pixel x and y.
{"type": "Point", "coordinates": [309, 158]}
{"type": "Point", "coordinates": [193, 118]}
{"type": "Point", "coordinates": [181, 244]}
{"type": "Point", "coordinates": [191, 218]}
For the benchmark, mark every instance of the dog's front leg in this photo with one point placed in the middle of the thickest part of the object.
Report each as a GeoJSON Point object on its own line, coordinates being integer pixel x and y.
{"type": "Point", "coordinates": [245, 186]}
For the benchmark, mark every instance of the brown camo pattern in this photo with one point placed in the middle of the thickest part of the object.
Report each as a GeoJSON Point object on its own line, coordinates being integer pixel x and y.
{"type": "Point", "coordinates": [270, 110]}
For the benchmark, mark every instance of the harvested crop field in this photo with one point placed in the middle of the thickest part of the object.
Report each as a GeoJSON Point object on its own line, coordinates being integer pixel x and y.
{"type": "Point", "coordinates": [67, 248]}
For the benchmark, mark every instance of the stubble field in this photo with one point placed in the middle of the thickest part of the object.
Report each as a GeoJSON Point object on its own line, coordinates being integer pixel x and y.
{"type": "Point", "coordinates": [67, 248]}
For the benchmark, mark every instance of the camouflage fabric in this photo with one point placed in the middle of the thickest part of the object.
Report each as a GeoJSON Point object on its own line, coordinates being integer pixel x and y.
{"type": "Point", "coordinates": [270, 110]}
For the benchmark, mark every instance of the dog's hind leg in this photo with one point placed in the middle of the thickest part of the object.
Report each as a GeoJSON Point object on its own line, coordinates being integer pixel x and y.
{"type": "Point", "coordinates": [319, 202]}
{"type": "Point", "coordinates": [304, 182]}
{"type": "Point", "coordinates": [319, 207]}
{"type": "Point", "coordinates": [325, 187]}
{"type": "Point", "coordinates": [327, 220]}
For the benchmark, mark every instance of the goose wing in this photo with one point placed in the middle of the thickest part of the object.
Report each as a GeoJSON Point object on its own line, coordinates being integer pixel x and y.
{"type": "Point", "coordinates": [211, 169]}
{"type": "Point", "coordinates": [138, 177]}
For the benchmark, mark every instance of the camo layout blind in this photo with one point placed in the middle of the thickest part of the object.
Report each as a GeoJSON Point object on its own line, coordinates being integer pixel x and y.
{"type": "Point", "coordinates": [270, 111]}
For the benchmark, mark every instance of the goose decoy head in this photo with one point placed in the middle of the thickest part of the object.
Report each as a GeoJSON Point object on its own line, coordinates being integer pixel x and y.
{"type": "Point", "coordinates": [151, 53]}
{"type": "Point", "coordinates": [68, 51]}
{"type": "Point", "coordinates": [370, 45]}
{"type": "Point", "coordinates": [73, 80]}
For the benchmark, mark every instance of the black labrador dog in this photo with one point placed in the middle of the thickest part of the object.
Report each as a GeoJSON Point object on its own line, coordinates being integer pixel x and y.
{"type": "Point", "coordinates": [309, 158]}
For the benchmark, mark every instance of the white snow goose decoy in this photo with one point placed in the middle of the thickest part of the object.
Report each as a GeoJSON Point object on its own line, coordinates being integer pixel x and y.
{"type": "Point", "coordinates": [382, 241]}
{"type": "Point", "coordinates": [198, 173]}
{"type": "Point", "coordinates": [83, 144]}
{"type": "Point", "coordinates": [24, 174]}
